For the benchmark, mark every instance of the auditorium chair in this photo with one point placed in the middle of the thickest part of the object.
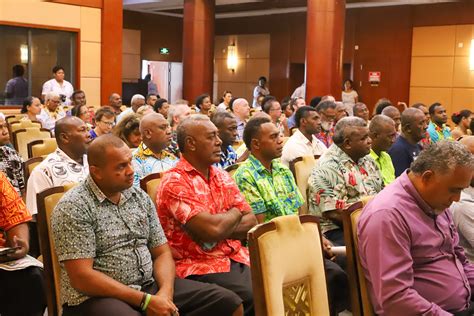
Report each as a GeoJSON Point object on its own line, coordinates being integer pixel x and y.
{"type": "Point", "coordinates": [360, 301]}
{"type": "Point", "coordinates": [41, 147]}
{"type": "Point", "coordinates": [150, 185]}
{"type": "Point", "coordinates": [29, 165]}
{"type": "Point", "coordinates": [301, 168]}
{"type": "Point", "coordinates": [288, 279]}
{"type": "Point", "coordinates": [12, 118]}
{"type": "Point", "coordinates": [17, 125]}
{"type": "Point", "coordinates": [46, 201]}
{"type": "Point", "coordinates": [23, 136]}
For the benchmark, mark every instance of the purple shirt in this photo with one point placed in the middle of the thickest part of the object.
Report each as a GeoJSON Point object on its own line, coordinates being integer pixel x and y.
{"type": "Point", "coordinates": [412, 261]}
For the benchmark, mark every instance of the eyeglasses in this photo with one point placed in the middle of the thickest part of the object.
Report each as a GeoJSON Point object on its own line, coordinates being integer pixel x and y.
{"type": "Point", "coordinates": [110, 124]}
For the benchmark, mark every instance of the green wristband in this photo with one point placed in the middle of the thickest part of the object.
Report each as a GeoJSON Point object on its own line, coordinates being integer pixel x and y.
{"type": "Point", "coordinates": [147, 301]}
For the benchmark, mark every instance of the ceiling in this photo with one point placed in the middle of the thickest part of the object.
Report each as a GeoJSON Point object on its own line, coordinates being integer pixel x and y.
{"type": "Point", "coordinates": [243, 8]}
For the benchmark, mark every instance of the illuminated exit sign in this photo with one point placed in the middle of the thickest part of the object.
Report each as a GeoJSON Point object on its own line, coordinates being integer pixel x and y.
{"type": "Point", "coordinates": [164, 51]}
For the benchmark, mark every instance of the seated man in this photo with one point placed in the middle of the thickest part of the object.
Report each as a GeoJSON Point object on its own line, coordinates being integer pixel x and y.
{"type": "Point", "coordinates": [437, 127]}
{"type": "Point", "coordinates": [176, 114]}
{"type": "Point", "coordinates": [51, 111]}
{"type": "Point", "coordinates": [344, 174]}
{"type": "Point", "coordinates": [406, 147]}
{"type": "Point", "coordinates": [463, 211]}
{"type": "Point", "coordinates": [295, 104]}
{"type": "Point", "coordinates": [135, 103]}
{"type": "Point", "coordinates": [114, 254]}
{"type": "Point", "coordinates": [303, 142]}
{"type": "Point", "coordinates": [115, 102]}
{"type": "Point", "coordinates": [241, 109]}
{"type": "Point", "coordinates": [360, 110]}
{"type": "Point", "coordinates": [205, 216]}
{"type": "Point", "coordinates": [67, 164]}
{"type": "Point", "coordinates": [327, 112]}
{"type": "Point", "coordinates": [393, 113]}
{"type": "Point", "coordinates": [382, 131]}
{"type": "Point", "coordinates": [22, 292]}
{"type": "Point", "coordinates": [408, 244]}
{"type": "Point", "coordinates": [151, 156]}
{"type": "Point", "coordinates": [271, 191]}
{"type": "Point", "coordinates": [10, 160]}
{"type": "Point", "coordinates": [227, 127]}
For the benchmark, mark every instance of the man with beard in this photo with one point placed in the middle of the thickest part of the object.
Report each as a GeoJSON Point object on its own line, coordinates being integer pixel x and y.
{"type": "Point", "coordinates": [327, 111]}
{"type": "Point", "coordinates": [437, 127]}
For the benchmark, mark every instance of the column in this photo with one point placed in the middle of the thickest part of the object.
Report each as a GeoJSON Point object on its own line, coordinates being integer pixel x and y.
{"type": "Point", "coordinates": [324, 47]}
{"type": "Point", "coordinates": [198, 48]}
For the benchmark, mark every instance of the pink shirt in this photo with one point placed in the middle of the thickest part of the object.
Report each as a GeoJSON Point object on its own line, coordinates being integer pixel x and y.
{"type": "Point", "coordinates": [412, 258]}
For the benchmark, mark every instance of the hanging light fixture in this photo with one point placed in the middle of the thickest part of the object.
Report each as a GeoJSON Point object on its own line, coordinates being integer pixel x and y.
{"type": "Point", "coordinates": [232, 57]}
{"type": "Point", "coordinates": [24, 53]}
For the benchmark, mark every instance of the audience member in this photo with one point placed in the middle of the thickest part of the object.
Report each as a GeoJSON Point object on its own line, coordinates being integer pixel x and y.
{"type": "Point", "coordinates": [303, 142]}
{"type": "Point", "coordinates": [115, 102]}
{"type": "Point", "coordinates": [104, 122]}
{"type": "Point", "coordinates": [51, 111]}
{"type": "Point", "coordinates": [462, 119]}
{"type": "Point", "coordinates": [137, 101]}
{"type": "Point", "coordinates": [383, 134]}
{"type": "Point", "coordinates": [361, 110]}
{"type": "Point", "coordinates": [11, 163]}
{"type": "Point", "coordinates": [78, 97]}
{"type": "Point", "coordinates": [225, 101]}
{"type": "Point", "coordinates": [344, 174]}
{"type": "Point", "coordinates": [58, 86]}
{"type": "Point", "coordinates": [227, 128]}
{"type": "Point", "coordinates": [437, 126]}
{"type": "Point", "coordinates": [151, 86]}
{"type": "Point", "coordinates": [176, 114]}
{"type": "Point", "coordinates": [426, 141]}
{"type": "Point", "coordinates": [241, 109]}
{"type": "Point", "coordinates": [204, 105]}
{"type": "Point", "coordinates": [393, 113]}
{"type": "Point", "coordinates": [205, 215]}
{"type": "Point", "coordinates": [295, 104]}
{"type": "Point", "coordinates": [286, 107]}
{"type": "Point", "coordinates": [315, 101]}
{"type": "Point", "coordinates": [151, 156]}
{"type": "Point", "coordinates": [327, 111]}
{"type": "Point", "coordinates": [31, 108]}
{"type": "Point", "coordinates": [408, 244]}
{"type": "Point", "coordinates": [273, 108]}
{"type": "Point", "coordinates": [349, 96]}
{"type": "Point", "coordinates": [22, 291]}
{"type": "Point", "coordinates": [406, 147]}
{"type": "Point", "coordinates": [144, 110]}
{"type": "Point", "coordinates": [299, 92]}
{"type": "Point", "coordinates": [16, 89]}
{"type": "Point", "coordinates": [162, 106]}
{"type": "Point", "coordinates": [114, 254]}
{"type": "Point", "coordinates": [463, 211]}
{"type": "Point", "coordinates": [260, 90]}
{"type": "Point", "coordinates": [381, 104]}
{"type": "Point", "coordinates": [128, 130]}
{"type": "Point", "coordinates": [67, 164]}
{"type": "Point", "coordinates": [82, 111]}
{"type": "Point", "coordinates": [341, 112]}
{"type": "Point", "coordinates": [151, 99]}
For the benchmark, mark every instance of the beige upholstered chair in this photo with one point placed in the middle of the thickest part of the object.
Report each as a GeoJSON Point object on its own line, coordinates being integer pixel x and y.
{"type": "Point", "coordinates": [42, 147]}
{"type": "Point", "coordinates": [360, 300]}
{"type": "Point", "coordinates": [301, 168]}
{"type": "Point", "coordinates": [14, 126]}
{"type": "Point", "coordinates": [150, 185]}
{"type": "Point", "coordinates": [29, 165]}
{"type": "Point", "coordinates": [46, 201]}
{"type": "Point", "coordinates": [288, 280]}
{"type": "Point", "coordinates": [12, 118]}
{"type": "Point", "coordinates": [22, 137]}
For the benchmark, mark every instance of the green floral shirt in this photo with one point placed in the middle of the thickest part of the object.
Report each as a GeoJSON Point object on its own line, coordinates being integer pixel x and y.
{"type": "Point", "coordinates": [271, 193]}
{"type": "Point", "coordinates": [337, 182]}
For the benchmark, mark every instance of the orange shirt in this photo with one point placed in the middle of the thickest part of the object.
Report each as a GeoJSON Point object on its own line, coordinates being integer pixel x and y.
{"type": "Point", "coordinates": [12, 208]}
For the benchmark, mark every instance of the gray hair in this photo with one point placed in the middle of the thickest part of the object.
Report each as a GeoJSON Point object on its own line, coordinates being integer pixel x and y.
{"type": "Point", "coordinates": [183, 128]}
{"type": "Point", "coordinates": [324, 105]}
{"type": "Point", "coordinates": [136, 97]}
{"type": "Point", "coordinates": [390, 110]}
{"type": "Point", "coordinates": [175, 110]}
{"type": "Point", "coordinates": [343, 124]}
{"type": "Point", "coordinates": [378, 121]}
{"type": "Point", "coordinates": [50, 95]}
{"type": "Point", "coordinates": [443, 156]}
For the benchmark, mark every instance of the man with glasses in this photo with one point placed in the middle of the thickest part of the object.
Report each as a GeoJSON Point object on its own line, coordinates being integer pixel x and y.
{"type": "Point", "coordinates": [51, 111]}
{"type": "Point", "coordinates": [104, 122]}
{"type": "Point", "coordinates": [327, 111]}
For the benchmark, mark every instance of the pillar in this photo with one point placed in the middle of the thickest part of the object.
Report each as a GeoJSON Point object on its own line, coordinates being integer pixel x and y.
{"type": "Point", "coordinates": [111, 49]}
{"type": "Point", "coordinates": [324, 48]}
{"type": "Point", "coordinates": [198, 48]}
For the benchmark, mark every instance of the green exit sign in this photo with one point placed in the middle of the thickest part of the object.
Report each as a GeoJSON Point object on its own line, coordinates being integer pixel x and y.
{"type": "Point", "coordinates": [164, 51]}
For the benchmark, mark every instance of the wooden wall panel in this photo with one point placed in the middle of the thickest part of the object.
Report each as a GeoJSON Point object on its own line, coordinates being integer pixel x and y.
{"type": "Point", "coordinates": [423, 44]}
{"type": "Point", "coordinates": [429, 96]}
{"type": "Point", "coordinates": [462, 99]}
{"type": "Point", "coordinates": [432, 71]}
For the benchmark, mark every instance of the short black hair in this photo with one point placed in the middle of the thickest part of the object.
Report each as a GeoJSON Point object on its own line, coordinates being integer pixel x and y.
{"type": "Point", "coordinates": [433, 107]}
{"type": "Point", "coordinates": [73, 95]}
{"type": "Point", "coordinates": [159, 103]}
{"type": "Point", "coordinates": [302, 113]}
{"type": "Point", "coordinates": [262, 78]}
{"type": "Point", "coordinates": [149, 95]}
{"type": "Point", "coordinates": [219, 117]}
{"type": "Point", "coordinates": [382, 104]}
{"type": "Point", "coordinates": [285, 102]}
{"type": "Point", "coordinates": [458, 116]}
{"type": "Point", "coordinates": [200, 100]}
{"type": "Point", "coordinates": [57, 68]}
{"type": "Point", "coordinates": [76, 110]}
{"type": "Point", "coordinates": [26, 103]}
{"type": "Point", "coordinates": [315, 101]}
{"type": "Point", "coordinates": [253, 128]}
{"type": "Point", "coordinates": [267, 103]}
{"type": "Point", "coordinates": [18, 70]}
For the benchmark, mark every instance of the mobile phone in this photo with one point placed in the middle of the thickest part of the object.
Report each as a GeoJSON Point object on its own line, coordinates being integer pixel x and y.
{"type": "Point", "coordinates": [8, 250]}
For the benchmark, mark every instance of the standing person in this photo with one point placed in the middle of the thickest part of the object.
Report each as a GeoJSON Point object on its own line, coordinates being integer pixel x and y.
{"type": "Point", "coordinates": [226, 98]}
{"type": "Point", "coordinates": [260, 90]}
{"type": "Point", "coordinates": [151, 86]}
{"type": "Point", "coordinates": [462, 119]}
{"type": "Point", "coordinates": [58, 85]}
{"type": "Point", "coordinates": [16, 88]}
{"type": "Point", "coordinates": [349, 96]}
{"type": "Point", "coordinates": [438, 119]}
{"type": "Point", "coordinates": [31, 108]}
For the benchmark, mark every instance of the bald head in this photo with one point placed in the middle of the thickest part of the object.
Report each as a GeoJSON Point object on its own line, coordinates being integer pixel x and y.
{"type": "Point", "coordinates": [97, 150]}
{"type": "Point", "coordinates": [190, 126]}
{"type": "Point", "coordinates": [66, 125]}
{"type": "Point", "coordinates": [391, 111]}
{"type": "Point", "coordinates": [150, 120]}
{"type": "Point", "coordinates": [379, 123]}
{"type": "Point", "coordinates": [410, 115]}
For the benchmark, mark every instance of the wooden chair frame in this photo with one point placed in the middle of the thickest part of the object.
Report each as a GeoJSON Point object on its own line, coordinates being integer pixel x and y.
{"type": "Point", "coordinates": [30, 161]}
{"type": "Point", "coordinates": [145, 180]}
{"type": "Point", "coordinates": [15, 143]}
{"type": "Point", "coordinates": [30, 146]}
{"type": "Point", "coordinates": [296, 160]}
{"type": "Point", "coordinates": [257, 278]}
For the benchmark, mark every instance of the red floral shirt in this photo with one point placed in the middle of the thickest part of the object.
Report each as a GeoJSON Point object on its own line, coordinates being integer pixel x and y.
{"type": "Point", "coordinates": [184, 193]}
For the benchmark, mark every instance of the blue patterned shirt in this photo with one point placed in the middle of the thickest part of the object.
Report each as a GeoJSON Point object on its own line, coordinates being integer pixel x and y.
{"type": "Point", "coordinates": [228, 158]}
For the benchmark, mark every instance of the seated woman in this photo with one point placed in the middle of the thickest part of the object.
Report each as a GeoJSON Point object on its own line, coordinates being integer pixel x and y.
{"type": "Point", "coordinates": [462, 119]}
{"type": "Point", "coordinates": [82, 111]}
{"type": "Point", "coordinates": [204, 104]}
{"type": "Point", "coordinates": [128, 129]}
{"type": "Point", "coordinates": [162, 106]}
{"type": "Point", "coordinates": [31, 108]}
{"type": "Point", "coordinates": [104, 122]}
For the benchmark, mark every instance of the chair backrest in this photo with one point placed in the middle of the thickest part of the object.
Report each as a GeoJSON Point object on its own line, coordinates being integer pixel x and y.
{"type": "Point", "coordinates": [29, 165]}
{"type": "Point", "coordinates": [11, 118]}
{"type": "Point", "coordinates": [288, 280]}
{"type": "Point", "coordinates": [46, 201]}
{"type": "Point", "coordinates": [23, 136]}
{"type": "Point", "coordinates": [360, 300]}
{"type": "Point", "coordinates": [232, 168]}
{"type": "Point", "coordinates": [301, 168]}
{"type": "Point", "coordinates": [150, 184]}
{"type": "Point", "coordinates": [14, 126]}
{"type": "Point", "coordinates": [42, 147]}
